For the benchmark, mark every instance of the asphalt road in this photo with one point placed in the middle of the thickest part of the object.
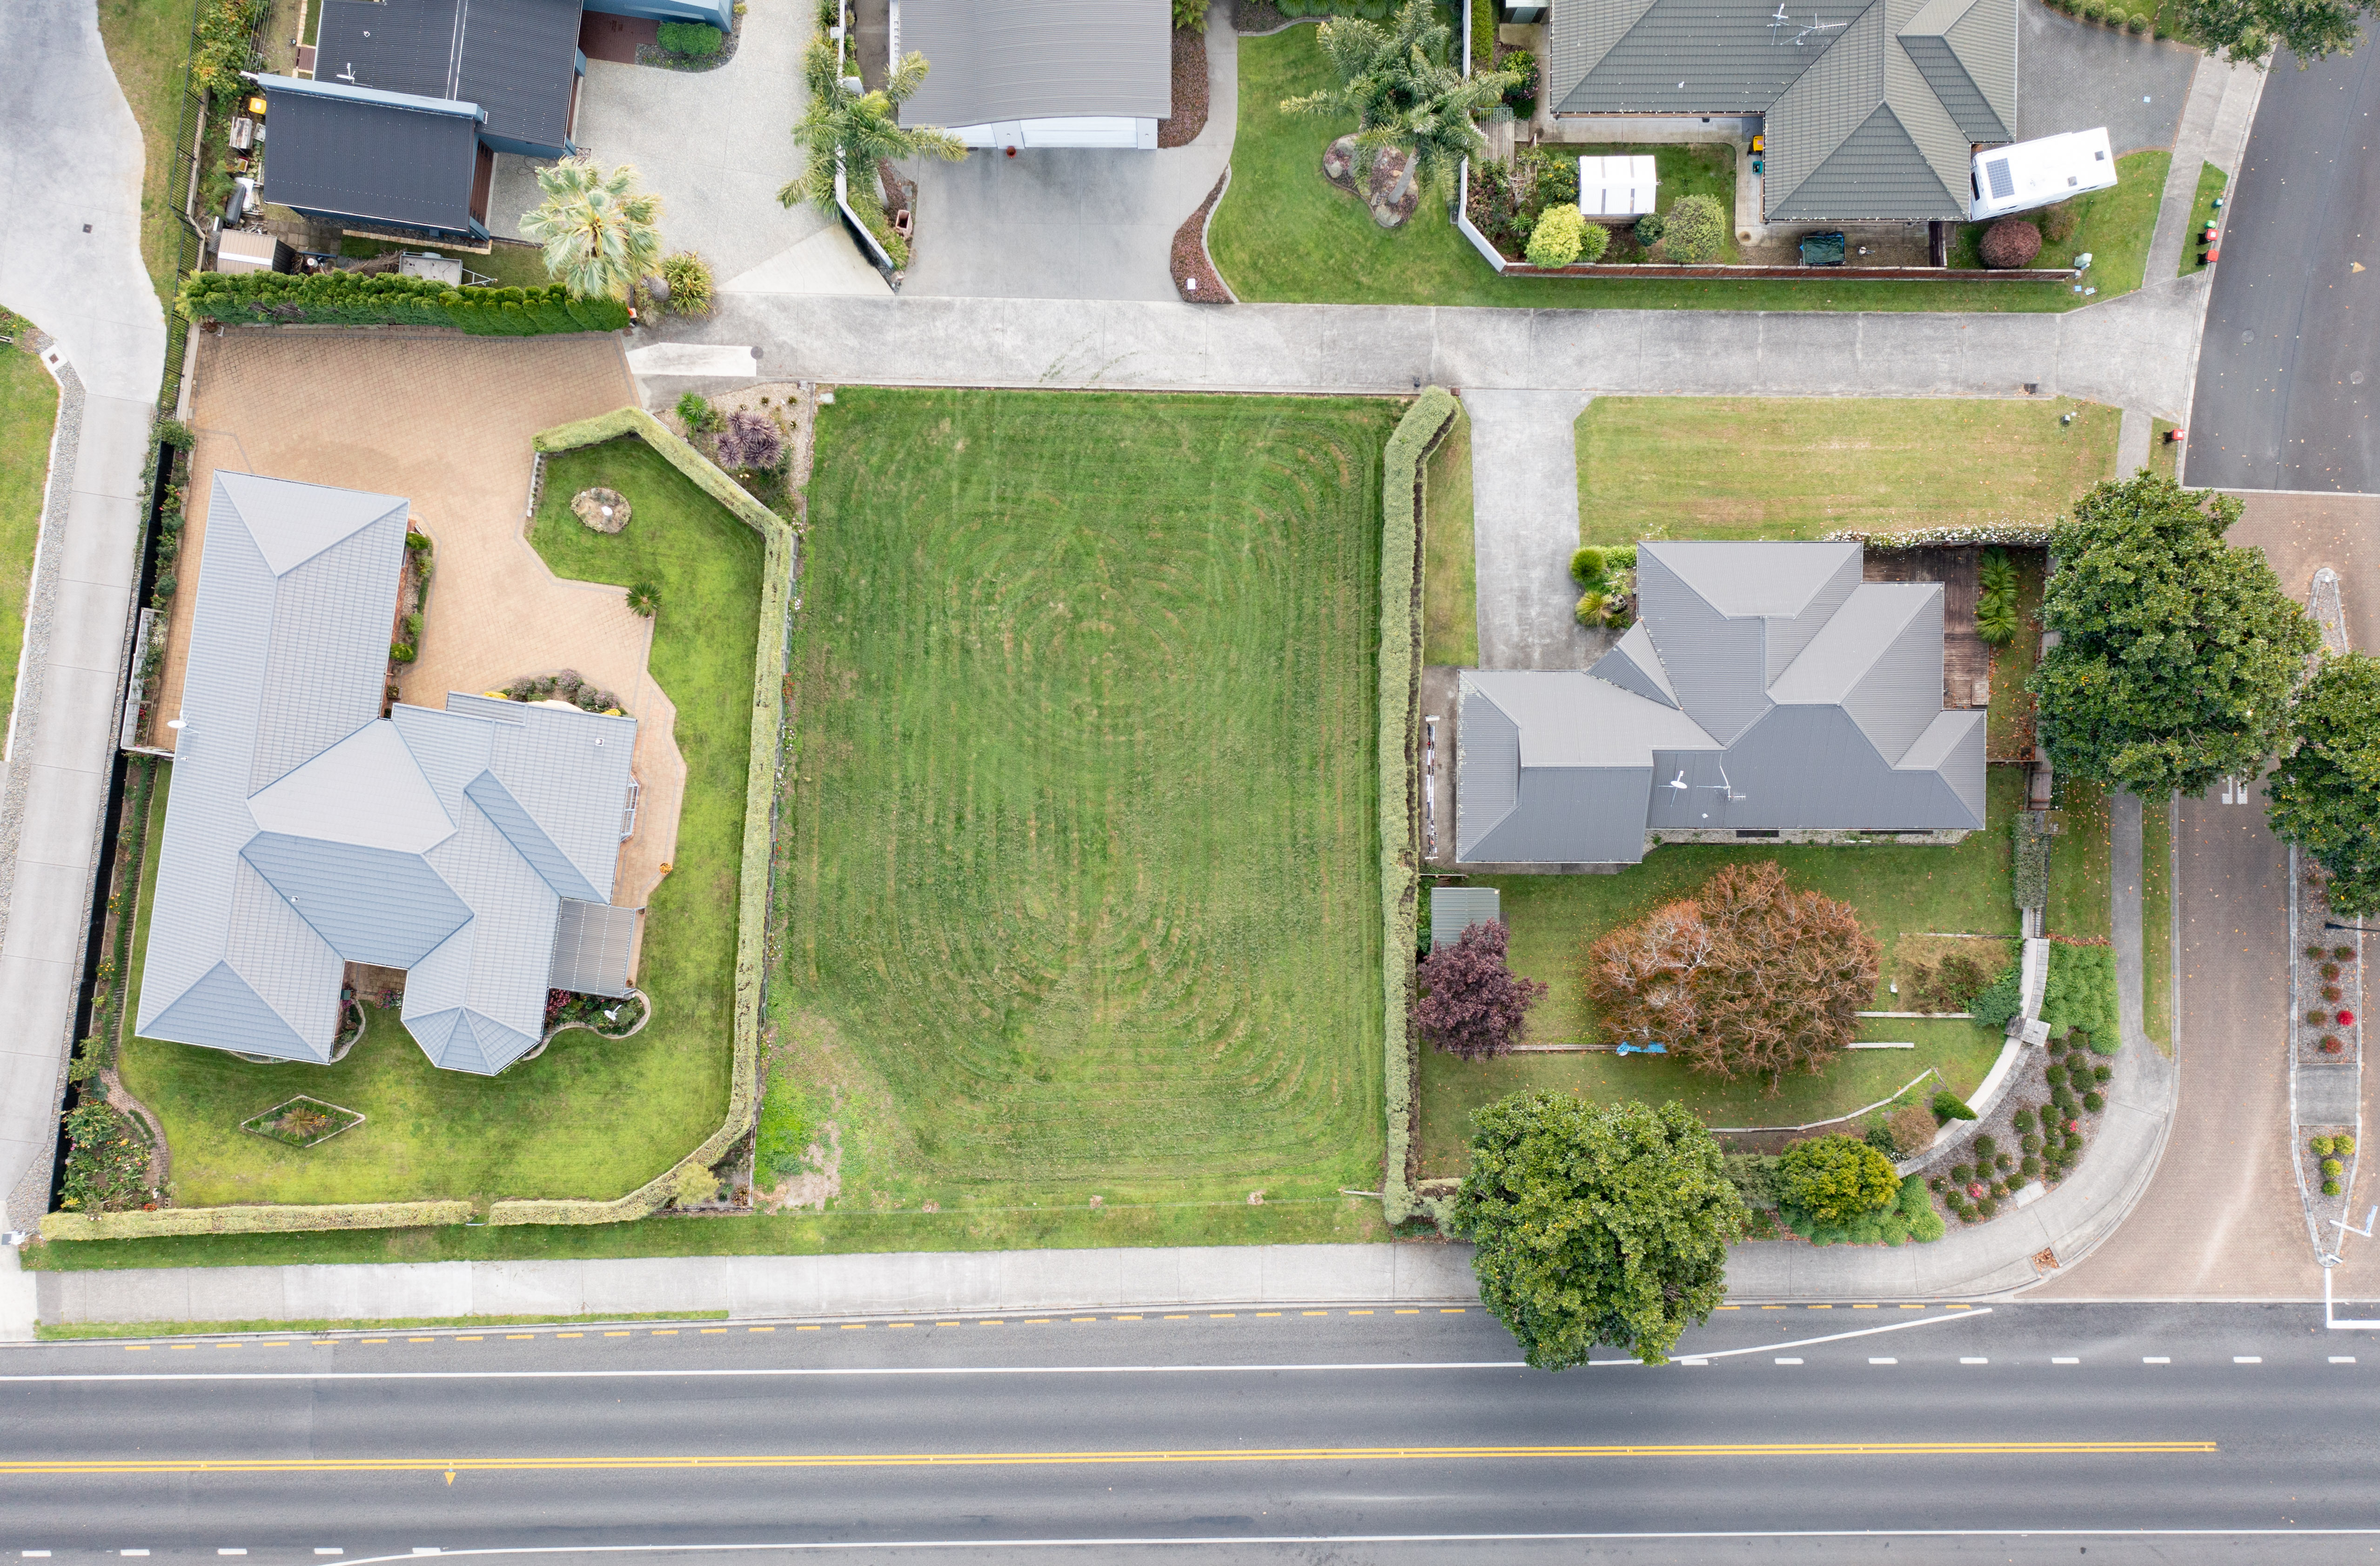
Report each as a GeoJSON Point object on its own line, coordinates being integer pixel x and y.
{"type": "Point", "coordinates": [2289, 365]}
{"type": "Point", "coordinates": [2024, 1432]}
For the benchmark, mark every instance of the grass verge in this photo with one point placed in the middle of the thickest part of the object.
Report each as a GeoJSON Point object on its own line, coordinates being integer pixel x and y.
{"type": "Point", "coordinates": [1793, 467]}
{"type": "Point", "coordinates": [2156, 923]}
{"type": "Point", "coordinates": [2079, 902]}
{"type": "Point", "coordinates": [591, 1117]}
{"type": "Point", "coordinates": [84, 1332]}
{"type": "Point", "coordinates": [1450, 588]}
{"type": "Point", "coordinates": [1082, 885]}
{"type": "Point", "coordinates": [1896, 888]}
{"type": "Point", "coordinates": [2202, 211]}
{"type": "Point", "coordinates": [148, 45]}
{"type": "Point", "coordinates": [29, 412]}
{"type": "Point", "coordinates": [1286, 235]}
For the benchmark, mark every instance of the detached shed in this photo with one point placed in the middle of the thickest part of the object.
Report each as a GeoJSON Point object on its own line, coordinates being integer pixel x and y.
{"type": "Point", "coordinates": [1453, 909]}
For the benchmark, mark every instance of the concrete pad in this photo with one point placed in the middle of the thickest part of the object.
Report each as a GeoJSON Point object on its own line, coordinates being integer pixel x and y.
{"type": "Point", "coordinates": [1327, 1272]}
{"type": "Point", "coordinates": [1372, 348]}
{"type": "Point", "coordinates": [826, 263]}
{"type": "Point", "coordinates": [2328, 1095]}
{"type": "Point", "coordinates": [47, 886]}
{"type": "Point", "coordinates": [1157, 347]}
{"type": "Point", "coordinates": [2133, 434]}
{"type": "Point", "coordinates": [79, 718]}
{"type": "Point", "coordinates": [87, 628]}
{"type": "Point", "coordinates": [35, 995]}
{"type": "Point", "coordinates": [101, 540]}
{"type": "Point", "coordinates": [528, 1288]}
{"type": "Point", "coordinates": [1472, 348]}
{"type": "Point", "coordinates": [59, 808]}
{"type": "Point", "coordinates": [376, 1293]}
{"type": "Point", "coordinates": [137, 1294]}
{"type": "Point", "coordinates": [692, 358]}
{"type": "Point", "coordinates": [1268, 345]}
{"type": "Point", "coordinates": [113, 450]}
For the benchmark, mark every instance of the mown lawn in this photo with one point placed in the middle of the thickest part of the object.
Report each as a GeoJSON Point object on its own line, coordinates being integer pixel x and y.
{"type": "Point", "coordinates": [1896, 888]}
{"type": "Point", "coordinates": [589, 1117]}
{"type": "Point", "coordinates": [1286, 233]}
{"type": "Point", "coordinates": [1788, 467]}
{"type": "Point", "coordinates": [2202, 211]}
{"type": "Point", "coordinates": [2112, 226]}
{"type": "Point", "coordinates": [2079, 897]}
{"type": "Point", "coordinates": [29, 411]}
{"type": "Point", "coordinates": [1449, 587]}
{"type": "Point", "coordinates": [1083, 893]}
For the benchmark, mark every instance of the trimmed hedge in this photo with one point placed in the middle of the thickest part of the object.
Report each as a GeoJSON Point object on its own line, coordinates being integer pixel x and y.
{"type": "Point", "coordinates": [167, 1222]}
{"type": "Point", "coordinates": [1414, 437]}
{"type": "Point", "coordinates": [2024, 535]}
{"type": "Point", "coordinates": [346, 298]}
{"type": "Point", "coordinates": [767, 739]}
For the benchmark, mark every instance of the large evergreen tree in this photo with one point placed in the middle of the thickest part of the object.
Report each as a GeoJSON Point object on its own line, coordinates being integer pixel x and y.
{"type": "Point", "coordinates": [1596, 1224]}
{"type": "Point", "coordinates": [2312, 29]}
{"type": "Point", "coordinates": [2326, 793]}
{"type": "Point", "coordinates": [2178, 653]}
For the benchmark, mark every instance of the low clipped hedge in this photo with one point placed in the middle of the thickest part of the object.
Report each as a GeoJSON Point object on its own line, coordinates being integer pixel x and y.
{"type": "Point", "coordinates": [346, 298]}
{"type": "Point", "coordinates": [1401, 505]}
{"type": "Point", "coordinates": [170, 1223]}
{"type": "Point", "coordinates": [767, 739]}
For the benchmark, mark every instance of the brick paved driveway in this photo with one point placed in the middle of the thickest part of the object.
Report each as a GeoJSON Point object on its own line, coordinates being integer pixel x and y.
{"type": "Point", "coordinates": [445, 419]}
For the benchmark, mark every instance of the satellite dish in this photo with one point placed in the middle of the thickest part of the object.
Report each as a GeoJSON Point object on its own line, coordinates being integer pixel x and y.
{"type": "Point", "coordinates": [1680, 780]}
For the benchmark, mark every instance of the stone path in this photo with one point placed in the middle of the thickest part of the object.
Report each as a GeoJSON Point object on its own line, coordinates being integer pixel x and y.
{"type": "Point", "coordinates": [446, 420]}
{"type": "Point", "coordinates": [70, 169]}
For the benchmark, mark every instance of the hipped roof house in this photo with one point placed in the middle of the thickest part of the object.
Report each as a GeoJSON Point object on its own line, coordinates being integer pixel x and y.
{"type": "Point", "coordinates": [1874, 108]}
{"type": "Point", "coordinates": [474, 848]}
{"type": "Point", "coordinates": [1764, 688]}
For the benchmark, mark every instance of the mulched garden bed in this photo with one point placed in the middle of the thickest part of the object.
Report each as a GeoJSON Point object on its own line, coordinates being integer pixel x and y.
{"type": "Point", "coordinates": [1255, 16]}
{"type": "Point", "coordinates": [2064, 1105]}
{"type": "Point", "coordinates": [1191, 262]}
{"type": "Point", "coordinates": [2328, 982]}
{"type": "Point", "coordinates": [1189, 91]}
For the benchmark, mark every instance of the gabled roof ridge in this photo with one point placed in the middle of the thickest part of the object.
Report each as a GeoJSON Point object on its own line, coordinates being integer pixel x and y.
{"type": "Point", "coordinates": [1884, 623]}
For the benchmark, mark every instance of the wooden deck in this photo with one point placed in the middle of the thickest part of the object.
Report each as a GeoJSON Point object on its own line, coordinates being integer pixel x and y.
{"type": "Point", "coordinates": [1966, 660]}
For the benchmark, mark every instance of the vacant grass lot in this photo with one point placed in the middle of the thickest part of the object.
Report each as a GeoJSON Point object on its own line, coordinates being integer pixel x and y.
{"type": "Point", "coordinates": [1786, 467]}
{"type": "Point", "coordinates": [1449, 587]}
{"type": "Point", "coordinates": [1286, 233]}
{"type": "Point", "coordinates": [1960, 889]}
{"type": "Point", "coordinates": [1083, 895]}
{"type": "Point", "coordinates": [589, 1117]}
{"type": "Point", "coordinates": [29, 411]}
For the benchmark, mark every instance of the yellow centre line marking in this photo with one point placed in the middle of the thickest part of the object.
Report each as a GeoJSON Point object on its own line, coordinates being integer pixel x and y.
{"type": "Point", "coordinates": [1772, 1308]}
{"type": "Point", "coordinates": [420, 1340]}
{"type": "Point", "coordinates": [322, 1342]}
{"type": "Point", "coordinates": [516, 1336]}
{"type": "Point", "coordinates": [1220, 1314]}
{"type": "Point", "coordinates": [1450, 1310]}
{"type": "Point", "coordinates": [283, 1343]}
{"type": "Point", "coordinates": [1731, 1307]}
{"type": "Point", "coordinates": [772, 1329]}
{"type": "Point", "coordinates": [1177, 1319]}
{"type": "Point", "coordinates": [714, 1329]}
{"type": "Point", "coordinates": [1124, 1319]}
{"type": "Point", "coordinates": [1912, 1307]}
{"type": "Point", "coordinates": [1822, 1307]}
{"type": "Point", "coordinates": [665, 1331]}
{"type": "Point", "coordinates": [1359, 1312]}
{"type": "Point", "coordinates": [570, 1334]}
{"type": "Point", "coordinates": [136, 1348]}
{"type": "Point", "coordinates": [615, 1334]}
{"type": "Point", "coordinates": [1312, 1313]}
{"type": "Point", "coordinates": [1036, 1321]}
{"type": "Point", "coordinates": [230, 1345]}
{"type": "Point", "coordinates": [371, 1339]}
{"type": "Point", "coordinates": [1081, 1318]}
{"type": "Point", "coordinates": [172, 1466]}
{"type": "Point", "coordinates": [473, 1338]}
{"type": "Point", "coordinates": [181, 1345]}
{"type": "Point", "coordinates": [1267, 1313]}
{"type": "Point", "coordinates": [855, 1327]}
{"type": "Point", "coordinates": [1863, 1307]}
{"type": "Point", "coordinates": [1414, 1312]}
{"type": "Point", "coordinates": [809, 1329]}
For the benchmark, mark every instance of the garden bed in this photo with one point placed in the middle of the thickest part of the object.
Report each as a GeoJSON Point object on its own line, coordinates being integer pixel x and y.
{"type": "Point", "coordinates": [2032, 1110]}
{"type": "Point", "coordinates": [302, 1123]}
{"type": "Point", "coordinates": [1190, 87]}
{"type": "Point", "coordinates": [1195, 277]}
{"type": "Point", "coordinates": [2325, 980]}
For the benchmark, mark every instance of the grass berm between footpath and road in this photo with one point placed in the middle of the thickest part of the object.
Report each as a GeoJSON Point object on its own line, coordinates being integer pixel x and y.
{"type": "Point", "coordinates": [28, 415]}
{"type": "Point", "coordinates": [1284, 233]}
{"type": "Point", "coordinates": [84, 1332]}
{"type": "Point", "coordinates": [591, 1117]}
{"type": "Point", "coordinates": [1801, 468]}
{"type": "Point", "coordinates": [1449, 564]}
{"type": "Point", "coordinates": [1081, 896]}
{"type": "Point", "coordinates": [1898, 889]}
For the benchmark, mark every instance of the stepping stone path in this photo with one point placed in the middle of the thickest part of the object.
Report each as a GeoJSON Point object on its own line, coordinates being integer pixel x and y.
{"type": "Point", "coordinates": [606, 511]}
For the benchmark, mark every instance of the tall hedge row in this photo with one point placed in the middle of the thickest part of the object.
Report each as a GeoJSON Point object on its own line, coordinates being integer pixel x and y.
{"type": "Point", "coordinates": [344, 298]}
{"type": "Point", "coordinates": [1400, 538]}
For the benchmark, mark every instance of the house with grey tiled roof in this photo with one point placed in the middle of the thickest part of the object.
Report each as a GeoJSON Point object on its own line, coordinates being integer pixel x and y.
{"type": "Point", "coordinates": [1872, 109]}
{"type": "Point", "coordinates": [1764, 691]}
{"type": "Point", "coordinates": [475, 847]}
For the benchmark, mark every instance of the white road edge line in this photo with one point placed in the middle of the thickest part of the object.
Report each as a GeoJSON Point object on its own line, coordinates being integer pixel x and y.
{"type": "Point", "coordinates": [1873, 1360]}
{"type": "Point", "coordinates": [2056, 1360]}
{"type": "Point", "coordinates": [2342, 1359]}
{"type": "Point", "coordinates": [1807, 1343]}
{"type": "Point", "coordinates": [2247, 1359]}
{"type": "Point", "coordinates": [1782, 1360]}
{"type": "Point", "coordinates": [1971, 1360]}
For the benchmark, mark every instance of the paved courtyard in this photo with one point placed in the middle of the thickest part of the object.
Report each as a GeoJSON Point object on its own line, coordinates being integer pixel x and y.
{"type": "Point", "coordinates": [446, 420]}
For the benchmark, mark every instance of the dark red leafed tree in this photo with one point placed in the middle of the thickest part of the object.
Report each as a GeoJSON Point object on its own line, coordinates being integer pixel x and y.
{"type": "Point", "coordinates": [1471, 1004]}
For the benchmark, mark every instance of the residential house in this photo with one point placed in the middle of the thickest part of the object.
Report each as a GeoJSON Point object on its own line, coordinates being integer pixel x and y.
{"type": "Point", "coordinates": [1764, 691]}
{"type": "Point", "coordinates": [1040, 73]}
{"type": "Point", "coordinates": [1872, 109]}
{"type": "Point", "coordinates": [310, 826]}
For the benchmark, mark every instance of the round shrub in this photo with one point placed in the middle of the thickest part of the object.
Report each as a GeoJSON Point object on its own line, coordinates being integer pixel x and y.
{"type": "Point", "coordinates": [2314, 954]}
{"type": "Point", "coordinates": [2333, 994]}
{"type": "Point", "coordinates": [1962, 1172]}
{"type": "Point", "coordinates": [2031, 1168]}
{"type": "Point", "coordinates": [2330, 971]}
{"type": "Point", "coordinates": [2003, 1161]}
{"type": "Point", "coordinates": [1589, 611]}
{"type": "Point", "coordinates": [2096, 10]}
{"type": "Point", "coordinates": [2095, 1100]}
{"type": "Point", "coordinates": [1586, 566]}
{"type": "Point", "coordinates": [2347, 1019]}
{"type": "Point", "coordinates": [2102, 1073]}
{"type": "Point", "coordinates": [1593, 239]}
{"type": "Point", "coordinates": [2055, 1076]}
{"type": "Point", "coordinates": [2320, 1145]}
{"type": "Point", "coordinates": [2333, 1168]}
{"type": "Point", "coordinates": [1648, 229]}
{"type": "Point", "coordinates": [2136, 24]}
{"type": "Point", "coordinates": [2031, 1143]}
{"type": "Point", "coordinates": [1694, 230]}
{"type": "Point", "coordinates": [2342, 953]}
{"type": "Point", "coordinates": [2022, 1121]}
{"type": "Point", "coordinates": [1988, 1205]}
{"type": "Point", "coordinates": [1555, 241]}
{"type": "Point", "coordinates": [401, 652]}
{"type": "Point", "coordinates": [1937, 1183]}
{"type": "Point", "coordinates": [2333, 1045]}
{"type": "Point", "coordinates": [1836, 1179]}
{"type": "Point", "coordinates": [2330, 1187]}
{"type": "Point", "coordinates": [1999, 1187]}
{"type": "Point", "coordinates": [2010, 243]}
{"type": "Point", "coordinates": [1985, 1146]}
{"type": "Point", "coordinates": [2343, 1146]}
{"type": "Point", "coordinates": [2318, 1018]}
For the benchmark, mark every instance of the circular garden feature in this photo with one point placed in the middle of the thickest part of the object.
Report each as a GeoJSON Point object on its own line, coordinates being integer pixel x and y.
{"type": "Point", "coordinates": [604, 510]}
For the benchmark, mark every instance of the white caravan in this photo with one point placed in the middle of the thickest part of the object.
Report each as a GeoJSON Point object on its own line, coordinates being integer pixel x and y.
{"type": "Point", "coordinates": [2026, 175]}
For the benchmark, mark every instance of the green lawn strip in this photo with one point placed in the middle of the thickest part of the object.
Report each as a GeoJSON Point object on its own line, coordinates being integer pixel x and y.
{"type": "Point", "coordinates": [1449, 596]}
{"type": "Point", "coordinates": [2164, 456]}
{"type": "Point", "coordinates": [2079, 901]}
{"type": "Point", "coordinates": [1083, 893]}
{"type": "Point", "coordinates": [1800, 468]}
{"type": "Point", "coordinates": [512, 266]}
{"type": "Point", "coordinates": [29, 411]}
{"type": "Point", "coordinates": [1451, 1089]}
{"type": "Point", "coordinates": [2112, 226]}
{"type": "Point", "coordinates": [2211, 181]}
{"type": "Point", "coordinates": [85, 1331]}
{"type": "Point", "coordinates": [1325, 1220]}
{"type": "Point", "coordinates": [148, 45]}
{"type": "Point", "coordinates": [2156, 924]}
{"type": "Point", "coordinates": [591, 1117]}
{"type": "Point", "coordinates": [2008, 732]}
{"type": "Point", "coordinates": [1286, 235]}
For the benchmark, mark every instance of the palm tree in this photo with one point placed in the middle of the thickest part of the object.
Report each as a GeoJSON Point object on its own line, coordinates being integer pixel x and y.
{"type": "Point", "coordinates": [844, 128]}
{"type": "Point", "coordinates": [598, 232]}
{"type": "Point", "coordinates": [1396, 83]}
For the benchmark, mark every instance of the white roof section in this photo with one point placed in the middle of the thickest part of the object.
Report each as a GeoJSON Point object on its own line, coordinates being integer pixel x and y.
{"type": "Point", "coordinates": [1617, 185]}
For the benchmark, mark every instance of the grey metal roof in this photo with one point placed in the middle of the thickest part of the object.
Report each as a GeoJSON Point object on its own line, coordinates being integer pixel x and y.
{"type": "Point", "coordinates": [369, 158]}
{"type": "Point", "coordinates": [1873, 106]}
{"type": "Point", "coordinates": [517, 59]}
{"type": "Point", "coordinates": [305, 832]}
{"type": "Point", "coordinates": [993, 60]}
{"type": "Point", "coordinates": [1453, 909]}
{"type": "Point", "coordinates": [1810, 700]}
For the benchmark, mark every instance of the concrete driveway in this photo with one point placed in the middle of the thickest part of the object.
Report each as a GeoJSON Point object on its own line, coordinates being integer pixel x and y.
{"type": "Point", "coordinates": [2077, 76]}
{"type": "Point", "coordinates": [1072, 223]}
{"type": "Point", "coordinates": [716, 146]}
